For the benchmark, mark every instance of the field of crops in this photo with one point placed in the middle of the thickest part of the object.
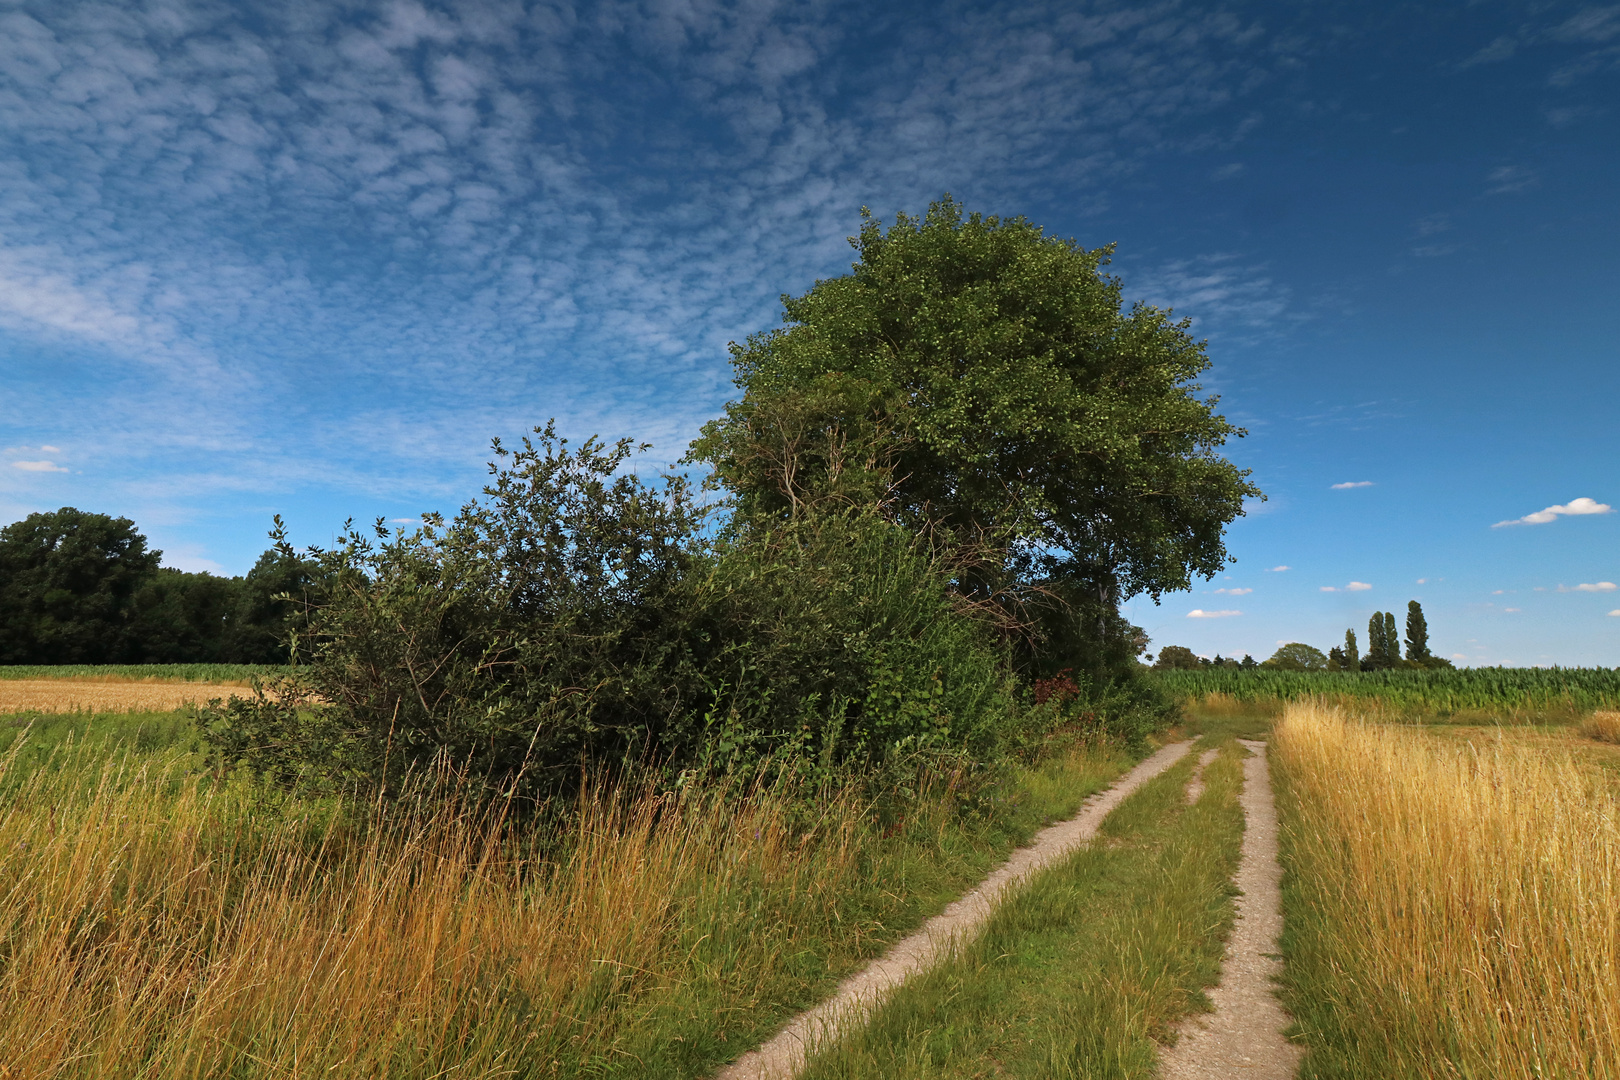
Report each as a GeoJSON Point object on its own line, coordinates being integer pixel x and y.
{"type": "Point", "coordinates": [1453, 905]}
{"type": "Point", "coordinates": [1513, 695]}
{"type": "Point", "coordinates": [224, 674]}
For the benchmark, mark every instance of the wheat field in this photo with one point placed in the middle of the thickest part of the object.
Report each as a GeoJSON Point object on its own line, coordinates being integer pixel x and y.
{"type": "Point", "coordinates": [72, 695]}
{"type": "Point", "coordinates": [1454, 907]}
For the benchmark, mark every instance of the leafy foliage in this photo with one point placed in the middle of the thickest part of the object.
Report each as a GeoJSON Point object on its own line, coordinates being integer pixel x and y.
{"type": "Point", "coordinates": [978, 382]}
{"type": "Point", "coordinates": [83, 588]}
{"type": "Point", "coordinates": [1296, 656]}
{"type": "Point", "coordinates": [68, 581]}
{"type": "Point", "coordinates": [577, 613]}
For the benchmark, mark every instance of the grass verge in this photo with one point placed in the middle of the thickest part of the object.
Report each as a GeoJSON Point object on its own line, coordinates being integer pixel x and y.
{"type": "Point", "coordinates": [1453, 908]}
{"type": "Point", "coordinates": [1079, 973]}
{"type": "Point", "coordinates": [157, 921]}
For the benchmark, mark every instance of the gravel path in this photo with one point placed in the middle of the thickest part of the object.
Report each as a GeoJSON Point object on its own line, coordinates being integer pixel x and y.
{"type": "Point", "coordinates": [784, 1056]}
{"type": "Point", "coordinates": [1243, 1037]}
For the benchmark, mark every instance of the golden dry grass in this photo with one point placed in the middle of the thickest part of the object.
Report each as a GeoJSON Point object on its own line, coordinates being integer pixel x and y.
{"type": "Point", "coordinates": [1602, 726]}
{"type": "Point", "coordinates": [154, 924]}
{"type": "Point", "coordinates": [1455, 905]}
{"type": "Point", "coordinates": [75, 695]}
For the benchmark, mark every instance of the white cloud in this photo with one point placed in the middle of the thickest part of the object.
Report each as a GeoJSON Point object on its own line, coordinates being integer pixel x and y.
{"type": "Point", "coordinates": [1200, 613]}
{"type": "Point", "coordinates": [1330, 588]}
{"type": "Point", "coordinates": [1573, 508]}
{"type": "Point", "coordinates": [1352, 484]}
{"type": "Point", "coordinates": [37, 466]}
{"type": "Point", "coordinates": [1595, 586]}
{"type": "Point", "coordinates": [1357, 586]}
{"type": "Point", "coordinates": [50, 449]}
{"type": "Point", "coordinates": [1615, 612]}
{"type": "Point", "coordinates": [1277, 569]}
{"type": "Point", "coordinates": [1228, 172]}
{"type": "Point", "coordinates": [1511, 610]}
{"type": "Point", "coordinates": [1233, 592]}
{"type": "Point", "coordinates": [1216, 290]}
{"type": "Point", "coordinates": [1508, 179]}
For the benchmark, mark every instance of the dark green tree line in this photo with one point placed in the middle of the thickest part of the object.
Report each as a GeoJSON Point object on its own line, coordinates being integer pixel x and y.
{"type": "Point", "coordinates": [84, 588]}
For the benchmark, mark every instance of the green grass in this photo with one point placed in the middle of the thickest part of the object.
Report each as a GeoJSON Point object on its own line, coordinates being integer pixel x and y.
{"type": "Point", "coordinates": [1511, 695]}
{"type": "Point", "coordinates": [204, 673]}
{"type": "Point", "coordinates": [1081, 973]}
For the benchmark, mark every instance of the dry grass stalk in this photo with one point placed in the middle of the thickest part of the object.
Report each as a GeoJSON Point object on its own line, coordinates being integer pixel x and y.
{"type": "Point", "coordinates": [154, 927]}
{"type": "Point", "coordinates": [64, 695]}
{"type": "Point", "coordinates": [1602, 726]}
{"type": "Point", "coordinates": [1469, 897]}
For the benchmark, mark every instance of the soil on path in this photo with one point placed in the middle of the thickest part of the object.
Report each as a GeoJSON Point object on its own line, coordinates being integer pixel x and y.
{"type": "Point", "coordinates": [784, 1055]}
{"type": "Point", "coordinates": [1243, 1037]}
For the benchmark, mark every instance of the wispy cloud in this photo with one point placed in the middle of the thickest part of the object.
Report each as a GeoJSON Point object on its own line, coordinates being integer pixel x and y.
{"type": "Point", "coordinates": [1354, 586]}
{"type": "Point", "coordinates": [1200, 613]}
{"type": "Point", "coordinates": [1594, 586]}
{"type": "Point", "coordinates": [1232, 592]}
{"type": "Point", "coordinates": [1574, 508]}
{"type": "Point", "coordinates": [38, 466]}
{"type": "Point", "coordinates": [1278, 569]}
{"type": "Point", "coordinates": [1220, 293]}
{"type": "Point", "coordinates": [1352, 484]}
{"type": "Point", "coordinates": [1509, 179]}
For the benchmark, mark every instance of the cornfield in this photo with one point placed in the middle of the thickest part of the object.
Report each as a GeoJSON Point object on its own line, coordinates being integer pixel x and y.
{"type": "Point", "coordinates": [1513, 695]}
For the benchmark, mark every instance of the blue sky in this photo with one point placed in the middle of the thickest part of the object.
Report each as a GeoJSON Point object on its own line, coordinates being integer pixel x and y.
{"type": "Point", "coordinates": [309, 257]}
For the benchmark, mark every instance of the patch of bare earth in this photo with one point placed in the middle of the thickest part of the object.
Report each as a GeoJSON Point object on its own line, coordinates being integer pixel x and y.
{"type": "Point", "coordinates": [855, 999]}
{"type": "Point", "coordinates": [1243, 1036]}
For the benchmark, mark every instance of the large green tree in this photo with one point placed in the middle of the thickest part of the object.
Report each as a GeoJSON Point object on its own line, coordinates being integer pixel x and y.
{"type": "Point", "coordinates": [67, 583]}
{"type": "Point", "coordinates": [982, 382]}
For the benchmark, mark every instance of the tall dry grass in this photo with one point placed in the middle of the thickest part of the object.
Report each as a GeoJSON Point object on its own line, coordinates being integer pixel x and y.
{"type": "Point", "coordinates": [1602, 726]}
{"type": "Point", "coordinates": [154, 925]}
{"type": "Point", "coordinates": [1454, 910]}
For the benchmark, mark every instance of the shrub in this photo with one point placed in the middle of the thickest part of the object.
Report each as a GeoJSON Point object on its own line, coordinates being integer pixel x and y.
{"type": "Point", "coordinates": [578, 614]}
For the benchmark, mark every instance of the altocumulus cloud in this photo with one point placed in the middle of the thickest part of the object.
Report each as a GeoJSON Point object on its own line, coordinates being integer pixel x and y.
{"type": "Point", "coordinates": [452, 212]}
{"type": "Point", "coordinates": [1573, 508]}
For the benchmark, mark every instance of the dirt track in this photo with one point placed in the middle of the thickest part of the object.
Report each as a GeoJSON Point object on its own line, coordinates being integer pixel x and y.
{"type": "Point", "coordinates": [1243, 1037]}
{"type": "Point", "coordinates": [784, 1055]}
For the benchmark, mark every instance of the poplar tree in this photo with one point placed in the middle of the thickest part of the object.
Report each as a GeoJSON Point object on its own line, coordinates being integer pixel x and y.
{"type": "Point", "coordinates": [1376, 652]}
{"type": "Point", "coordinates": [1417, 633]}
{"type": "Point", "coordinates": [1392, 641]}
{"type": "Point", "coordinates": [1352, 653]}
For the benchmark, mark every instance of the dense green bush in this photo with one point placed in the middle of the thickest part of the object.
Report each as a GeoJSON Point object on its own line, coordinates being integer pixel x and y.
{"type": "Point", "coordinates": [578, 614]}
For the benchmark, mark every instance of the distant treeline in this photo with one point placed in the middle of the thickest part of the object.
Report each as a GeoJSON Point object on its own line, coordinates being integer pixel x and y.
{"type": "Point", "coordinates": [84, 588]}
{"type": "Point", "coordinates": [1383, 651]}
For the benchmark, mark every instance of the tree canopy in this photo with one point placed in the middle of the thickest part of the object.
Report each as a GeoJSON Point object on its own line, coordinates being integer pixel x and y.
{"type": "Point", "coordinates": [981, 381]}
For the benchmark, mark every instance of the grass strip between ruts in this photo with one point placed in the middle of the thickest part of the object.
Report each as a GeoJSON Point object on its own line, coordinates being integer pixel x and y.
{"type": "Point", "coordinates": [1078, 974]}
